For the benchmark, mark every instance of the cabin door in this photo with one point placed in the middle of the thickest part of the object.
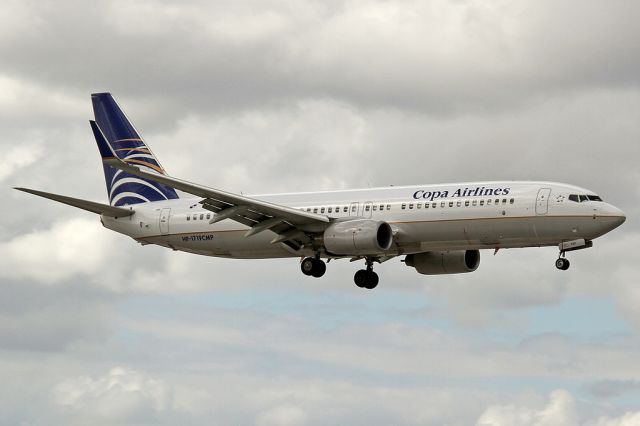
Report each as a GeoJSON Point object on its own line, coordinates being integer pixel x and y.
{"type": "Point", "coordinates": [542, 202]}
{"type": "Point", "coordinates": [165, 214]}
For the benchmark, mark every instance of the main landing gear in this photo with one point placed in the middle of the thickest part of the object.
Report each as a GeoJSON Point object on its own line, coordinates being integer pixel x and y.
{"type": "Point", "coordinates": [366, 278]}
{"type": "Point", "coordinates": [562, 262]}
{"type": "Point", "coordinates": [313, 266]}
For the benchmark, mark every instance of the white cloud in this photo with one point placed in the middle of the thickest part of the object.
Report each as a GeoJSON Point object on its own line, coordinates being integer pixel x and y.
{"type": "Point", "coordinates": [309, 144]}
{"type": "Point", "coordinates": [17, 158]}
{"type": "Point", "coordinates": [68, 249]}
{"type": "Point", "coordinates": [561, 410]}
{"type": "Point", "coordinates": [282, 415]}
{"type": "Point", "coordinates": [21, 98]}
{"type": "Point", "coordinates": [121, 394]}
{"type": "Point", "coordinates": [627, 419]}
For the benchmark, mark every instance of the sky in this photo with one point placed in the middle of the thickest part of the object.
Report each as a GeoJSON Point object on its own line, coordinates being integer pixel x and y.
{"type": "Point", "coordinates": [279, 96]}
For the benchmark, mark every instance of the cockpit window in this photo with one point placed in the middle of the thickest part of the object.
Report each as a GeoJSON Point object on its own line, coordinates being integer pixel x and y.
{"type": "Point", "coordinates": [581, 198]}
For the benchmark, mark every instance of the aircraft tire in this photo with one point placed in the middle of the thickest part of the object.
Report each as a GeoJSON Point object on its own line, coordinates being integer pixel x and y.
{"type": "Point", "coordinates": [372, 280]}
{"type": "Point", "coordinates": [360, 278]}
{"type": "Point", "coordinates": [307, 266]}
{"type": "Point", "coordinates": [319, 268]}
{"type": "Point", "coordinates": [562, 264]}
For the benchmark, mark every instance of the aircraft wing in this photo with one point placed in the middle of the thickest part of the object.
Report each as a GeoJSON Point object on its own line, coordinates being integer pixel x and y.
{"type": "Point", "coordinates": [290, 224]}
{"type": "Point", "coordinates": [82, 204]}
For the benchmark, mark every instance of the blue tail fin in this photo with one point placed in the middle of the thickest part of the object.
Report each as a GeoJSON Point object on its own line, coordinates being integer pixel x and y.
{"type": "Point", "coordinates": [115, 135]}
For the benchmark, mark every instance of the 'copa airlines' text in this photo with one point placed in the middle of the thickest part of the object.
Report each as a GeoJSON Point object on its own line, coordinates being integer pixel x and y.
{"type": "Point", "coordinates": [479, 191]}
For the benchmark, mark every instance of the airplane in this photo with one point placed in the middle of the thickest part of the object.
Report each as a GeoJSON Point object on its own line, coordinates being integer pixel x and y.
{"type": "Point", "coordinates": [439, 229]}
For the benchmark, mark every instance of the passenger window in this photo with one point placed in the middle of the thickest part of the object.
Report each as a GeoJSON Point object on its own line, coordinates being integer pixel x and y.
{"type": "Point", "coordinates": [375, 207]}
{"type": "Point", "coordinates": [497, 200]}
{"type": "Point", "coordinates": [488, 202]}
{"type": "Point", "coordinates": [458, 203]}
{"type": "Point", "coordinates": [442, 204]}
{"type": "Point", "coordinates": [466, 203]}
{"type": "Point", "coordinates": [482, 202]}
{"type": "Point", "coordinates": [426, 205]}
{"type": "Point", "coordinates": [434, 205]}
{"type": "Point", "coordinates": [208, 215]}
{"type": "Point", "coordinates": [574, 197]}
{"type": "Point", "coordinates": [388, 206]}
{"type": "Point", "coordinates": [322, 210]}
{"type": "Point", "coordinates": [354, 209]}
{"type": "Point", "coordinates": [367, 208]}
{"type": "Point", "coordinates": [511, 201]}
{"type": "Point", "coordinates": [345, 209]}
{"type": "Point", "coordinates": [337, 209]}
{"type": "Point", "coordinates": [504, 201]}
{"type": "Point", "coordinates": [201, 216]}
{"type": "Point", "coordinates": [188, 217]}
{"type": "Point", "coordinates": [450, 203]}
{"type": "Point", "coordinates": [308, 209]}
{"type": "Point", "coordinates": [418, 205]}
{"type": "Point", "coordinates": [381, 207]}
{"type": "Point", "coordinates": [195, 216]}
{"type": "Point", "coordinates": [315, 210]}
{"type": "Point", "coordinates": [404, 206]}
{"type": "Point", "coordinates": [329, 209]}
{"type": "Point", "coordinates": [410, 205]}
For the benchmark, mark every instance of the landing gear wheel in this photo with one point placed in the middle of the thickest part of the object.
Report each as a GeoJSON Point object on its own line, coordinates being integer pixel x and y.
{"type": "Point", "coordinates": [313, 267]}
{"type": "Point", "coordinates": [360, 278]}
{"type": "Point", "coordinates": [366, 279]}
{"type": "Point", "coordinates": [306, 266]}
{"type": "Point", "coordinates": [372, 281]}
{"type": "Point", "coordinates": [319, 268]}
{"type": "Point", "coordinates": [562, 263]}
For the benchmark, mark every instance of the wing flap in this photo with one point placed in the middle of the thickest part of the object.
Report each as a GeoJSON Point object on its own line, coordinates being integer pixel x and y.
{"type": "Point", "coordinates": [91, 206]}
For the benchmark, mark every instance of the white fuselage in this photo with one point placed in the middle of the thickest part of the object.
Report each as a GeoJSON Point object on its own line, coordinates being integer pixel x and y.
{"type": "Point", "coordinates": [461, 216]}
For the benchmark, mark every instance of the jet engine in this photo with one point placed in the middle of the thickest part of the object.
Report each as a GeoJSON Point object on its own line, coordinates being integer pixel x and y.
{"type": "Point", "coordinates": [444, 262]}
{"type": "Point", "coordinates": [358, 237]}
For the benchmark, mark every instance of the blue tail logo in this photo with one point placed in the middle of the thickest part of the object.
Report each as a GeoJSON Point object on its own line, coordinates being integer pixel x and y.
{"type": "Point", "coordinates": [112, 127]}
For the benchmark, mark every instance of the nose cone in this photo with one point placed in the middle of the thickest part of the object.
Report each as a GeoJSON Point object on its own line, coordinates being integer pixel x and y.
{"type": "Point", "coordinates": [615, 216]}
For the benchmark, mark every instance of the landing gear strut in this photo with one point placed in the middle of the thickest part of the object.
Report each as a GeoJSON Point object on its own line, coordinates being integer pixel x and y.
{"type": "Point", "coordinates": [313, 266]}
{"type": "Point", "coordinates": [366, 278]}
{"type": "Point", "coordinates": [562, 262]}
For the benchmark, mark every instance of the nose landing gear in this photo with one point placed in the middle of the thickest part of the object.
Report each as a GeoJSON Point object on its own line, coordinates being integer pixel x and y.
{"type": "Point", "coordinates": [562, 262]}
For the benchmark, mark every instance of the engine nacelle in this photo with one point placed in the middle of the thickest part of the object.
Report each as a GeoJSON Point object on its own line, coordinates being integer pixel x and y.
{"type": "Point", "coordinates": [444, 262]}
{"type": "Point", "coordinates": [358, 237]}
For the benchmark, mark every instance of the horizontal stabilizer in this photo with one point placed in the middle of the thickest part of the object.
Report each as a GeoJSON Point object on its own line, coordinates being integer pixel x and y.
{"type": "Point", "coordinates": [82, 204]}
